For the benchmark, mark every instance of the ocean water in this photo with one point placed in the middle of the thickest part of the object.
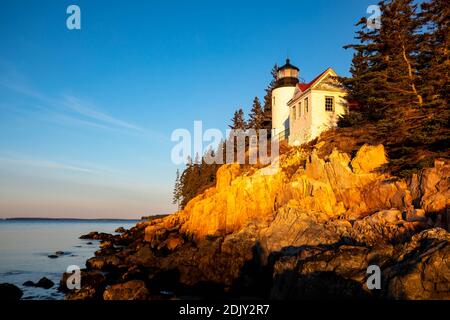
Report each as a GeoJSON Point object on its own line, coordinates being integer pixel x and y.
{"type": "Point", "coordinates": [26, 244]}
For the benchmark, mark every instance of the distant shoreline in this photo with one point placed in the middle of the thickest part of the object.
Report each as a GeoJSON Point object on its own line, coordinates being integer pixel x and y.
{"type": "Point", "coordinates": [67, 219]}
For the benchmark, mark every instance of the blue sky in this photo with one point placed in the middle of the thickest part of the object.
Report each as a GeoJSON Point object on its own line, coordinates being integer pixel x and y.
{"type": "Point", "coordinates": [86, 115]}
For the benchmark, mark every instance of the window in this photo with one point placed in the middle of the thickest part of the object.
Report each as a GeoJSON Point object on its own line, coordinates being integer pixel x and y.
{"type": "Point", "coordinates": [329, 104]}
{"type": "Point", "coordinates": [299, 108]}
{"type": "Point", "coordinates": [273, 101]}
{"type": "Point", "coordinates": [306, 106]}
{"type": "Point", "coordinates": [294, 113]}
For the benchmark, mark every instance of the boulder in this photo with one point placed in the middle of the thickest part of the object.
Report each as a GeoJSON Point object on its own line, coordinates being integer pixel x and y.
{"type": "Point", "coordinates": [45, 283]}
{"type": "Point", "coordinates": [85, 293]}
{"type": "Point", "coordinates": [368, 158]}
{"type": "Point", "coordinates": [9, 291]}
{"type": "Point", "coordinates": [320, 272]}
{"type": "Point", "coordinates": [91, 235]}
{"type": "Point", "coordinates": [131, 290]}
{"type": "Point", "coordinates": [93, 279]}
{"type": "Point", "coordinates": [295, 227]}
{"type": "Point", "coordinates": [142, 257]}
{"type": "Point", "coordinates": [174, 241]}
{"type": "Point", "coordinates": [388, 216]}
{"type": "Point", "coordinates": [103, 262]}
{"type": "Point", "coordinates": [94, 235]}
{"type": "Point", "coordinates": [383, 227]}
{"type": "Point", "coordinates": [422, 271]}
{"type": "Point", "coordinates": [134, 272]}
{"type": "Point", "coordinates": [418, 215]}
{"type": "Point", "coordinates": [42, 283]}
{"type": "Point", "coordinates": [431, 188]}
{"type": "Point", "coordinates": [120, 230]}
{"type": "Point", "coordinates": [106, 244]}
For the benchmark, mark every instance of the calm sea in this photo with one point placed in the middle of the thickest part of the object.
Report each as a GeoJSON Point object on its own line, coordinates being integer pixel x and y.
{"type": "Point", "coordinates": [26, 244]}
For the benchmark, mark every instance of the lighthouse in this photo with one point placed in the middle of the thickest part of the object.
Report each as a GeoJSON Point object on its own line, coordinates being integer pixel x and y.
{"type": "Point", "coordinates": [287, 79]}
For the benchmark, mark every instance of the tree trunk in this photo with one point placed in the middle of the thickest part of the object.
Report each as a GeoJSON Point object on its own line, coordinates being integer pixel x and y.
{"type": "Point", "coordinates": [411, 76]}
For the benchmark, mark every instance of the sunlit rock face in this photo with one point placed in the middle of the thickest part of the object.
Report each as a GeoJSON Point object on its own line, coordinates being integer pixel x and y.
{"type": "Point", "coordinates": [431, 188]}
{"type": "Point", "coordinates": [369, 158]}
{"type": "Point", "coordinates": [334, 216]}
{"type": "Point", "coordinates": [337, 186]}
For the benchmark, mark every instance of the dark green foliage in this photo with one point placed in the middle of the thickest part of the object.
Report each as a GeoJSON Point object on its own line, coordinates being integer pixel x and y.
{"type": "Point", "coordinates": [177, 196]}
{"type": "Point", "coordinates": [267, 108]}
{"type": "Point", "coordinates": [256, 116]}
{"type": "Point", "coordinates": [385, 64]}
{"type": "Point", "coordinates": [404, 64]}
{"type": "Point", "coordinates": [399, 35]}
{"type": "Point", "coordinates": [238, 120]}
{"type": "Point", "coordinates": [434, 46]}
{"type": "Point", "coordinates": [400, 83]}
{"type": "Point", "coordinates": [354, 118]}
{"type": "Point", "coordinates": [198, 176]}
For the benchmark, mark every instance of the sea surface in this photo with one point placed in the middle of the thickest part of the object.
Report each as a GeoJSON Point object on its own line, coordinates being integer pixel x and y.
{"type": "Point", "coordinates": [26, 244]}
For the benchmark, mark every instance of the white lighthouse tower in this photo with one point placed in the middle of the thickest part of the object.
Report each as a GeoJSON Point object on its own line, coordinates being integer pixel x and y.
{"type": "Point", "coordinates": [287, 79]}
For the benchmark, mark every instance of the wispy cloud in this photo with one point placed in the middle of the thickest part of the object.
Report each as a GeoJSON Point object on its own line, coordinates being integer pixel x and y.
{"type": "Point", "coordinates": [89, 111]}
{"type": "Point", "coordinates": [18, 164]}
{"type": "Point", "coordinates": [46, 164]}
{"type": "Point", "coordinates": [71, 110]}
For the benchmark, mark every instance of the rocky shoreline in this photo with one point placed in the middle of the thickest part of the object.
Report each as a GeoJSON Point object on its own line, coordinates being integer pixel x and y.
{"type": "Point", "coordinates": [309, 231]}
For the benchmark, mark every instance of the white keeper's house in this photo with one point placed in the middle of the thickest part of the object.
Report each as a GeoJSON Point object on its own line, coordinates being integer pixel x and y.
{"type": "Point", "coordinates": [301, 111]}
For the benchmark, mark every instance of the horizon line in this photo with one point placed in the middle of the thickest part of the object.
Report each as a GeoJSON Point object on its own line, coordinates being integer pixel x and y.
{"type": "Point", "coordinates": [86, 219]}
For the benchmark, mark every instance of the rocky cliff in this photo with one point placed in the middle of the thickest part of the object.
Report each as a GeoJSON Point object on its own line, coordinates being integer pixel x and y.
{"type": "Point", "coordinates": [304, 227]}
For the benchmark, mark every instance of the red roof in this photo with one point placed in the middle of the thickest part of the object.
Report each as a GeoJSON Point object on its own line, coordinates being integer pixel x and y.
{"type": "Point", "coordinates": [305, 86]}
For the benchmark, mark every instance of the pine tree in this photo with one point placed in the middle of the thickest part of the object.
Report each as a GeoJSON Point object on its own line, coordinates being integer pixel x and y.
{"type": "Point", "coordinates": [208, 170]}
{"type": "Point", "coordinates": [366, 86]}
{"type": "Point", "coordinates": [356, 85]}
{"type": "Point", "coordinates": [177, 194]}
{"type": "Point", "coordinates": [400, 74]}
{"type": "Point", "coordinates": [256, 116]}
{"type": "Point", "coordinates": [221, 150]}
{"type": "Point", "coordinates": [399, 34]}
{"type": "Point", "coordinates": [268, 96]}
{"type": "Point", "coordinates": [434, 53]}
{"type": "Point", "coordinates": [238, 120]}
{"type": "Point", "coordinates": [385, 65]}
{"type": "Point", "coordinates": [196, 177]}
{"type": "Point", "coordinates": [268, 99]}
{"type": "Point", "coordinates": [237, 138]}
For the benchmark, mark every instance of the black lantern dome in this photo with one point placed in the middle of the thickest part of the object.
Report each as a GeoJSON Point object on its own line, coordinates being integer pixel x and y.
{"type": "Point", "coordinates": [287, 75]}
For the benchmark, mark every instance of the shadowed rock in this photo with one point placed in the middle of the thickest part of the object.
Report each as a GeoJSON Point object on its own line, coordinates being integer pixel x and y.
{"type": "Point", "coordinates": [9, 291]}
{"type": "Point", "coordinates": [131, 290]}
